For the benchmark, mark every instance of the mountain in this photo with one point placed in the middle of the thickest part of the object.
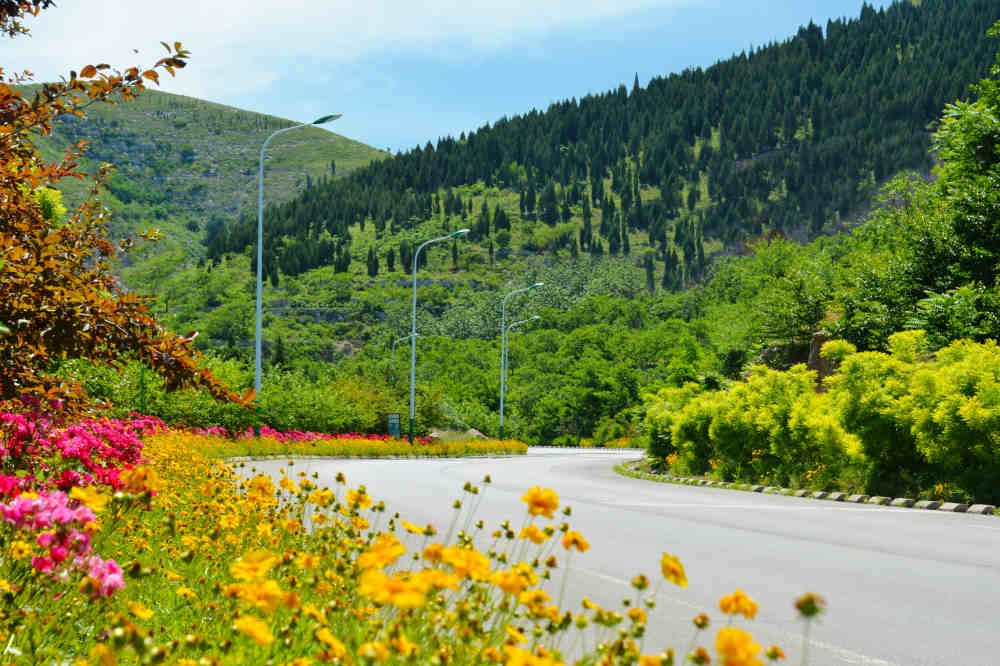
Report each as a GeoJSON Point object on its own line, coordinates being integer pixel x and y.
{"type": "Point", "coordinates": [183, 164]}
{"type": "Point", "coordinates": [791, 138]}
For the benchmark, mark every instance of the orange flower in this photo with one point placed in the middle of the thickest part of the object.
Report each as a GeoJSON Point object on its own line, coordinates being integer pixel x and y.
{"type": "Point", "coordinates": [384, 552]}
{"type": "Point", "coordinates": [253, 565]}
{"type": "Point", "coordinates": [738, 603]}
{"type": "Point", "coordinates": [433, 552]}
{"type": "Point", "coordinates": [467, 562]}
{"type": "Point", "coordinates": [534, 534]}
{"type": "Point", "coordinates": [673, 570]}
{"type": "Point", "coordinates": [541, 502]}
{"type": "Point", "coordinates": [572, 539]}
{"type": "Point", "coordinates": [737, 647]}
{"type": "Point", "coordinates": [255, 628]}
{"type": "Point", "coordinates": [334, 647]}
{"type": "Point", "coordinates": [398, 591]}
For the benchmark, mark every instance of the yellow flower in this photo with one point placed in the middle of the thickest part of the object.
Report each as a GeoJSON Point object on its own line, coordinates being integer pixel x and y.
{"type": "Point", "coordinates": [640, 582]}
{"type": "Point", "coordinates": [433, 552]}
{"type": "Point", "coordinates": [701, 621]}
{"type": "Point", "coordinates": [103, 655]}
{"type": "Point", "coordinates": [541, 502]}
{"type": "Point", "coordinates": [663, 659]}
{"type": "Point", "coordinates": [255, 628]}
{"type": "Point", "coordinates": [322, 498]}
{"type": "Point", "coordinates": [429, 578]}
{"type": "Point", "coordinates": [360, 522]}
{"type": "Point", "coordinates": [514, 581]}
{"type": "Point", "coordinates": [516, 635]}
{"type": "Point", "coordinates": [264, 530]}
{"type": "Point", "coordinates": [140, 479]}
{"type": "Point", "coordinates": [307, 561]}
{"type": "Point", "coordinates": [738, 603]}
{"type": "Point", "coordinates": [573, 539]}
{"type": "Point", "coordinates": [292, 525]}
{"type": "Point", "coordinates": [260, 490]}
{"type": "Point", "coordinates": [403, 646]}
{"type": "Point", "coordinates": [20, 549]}
{"type": "Point", "coordinates": [186, 592]}
{"type": "Point", "coordinates": [90, 497]}
{"type": "Point", "coordinates": [315, 613]}
{"type": "Point", "coordinates": [264, 595]}
{"type": "Point", "coordinates": [386, 550]}
{"type": "Point", "coordinates": [374, 650]}
{"type": "Point", "coordinates": [737, 647]}
{"type": "Point", "coordinates": [411, 527]}
{"type": "Point", "coordinates": [333, 646]}
{"type": "Point", "coordinates": [288, 485]}
{"type": "Point", "coordinates": [253, 565]}
{"type": "Point", "coordinates": [533, 534]}
{"type": "Point", "coordinates": [139, 610]}
{"type": "Point", "coordinates": [359, 498]}
{"type": "Point", "coordinates": [673, 570]}
{"type": "Point", "coordinates": [398, 591]}
{"type": "Point", "coordinates": [467, 562]}
{"type": "Point", "coordinates": [535, 600]}
{"type": "Point", "coordinates": [637, 615]}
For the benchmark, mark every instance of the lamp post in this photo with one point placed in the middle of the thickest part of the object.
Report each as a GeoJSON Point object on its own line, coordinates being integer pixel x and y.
{"type": "Point", "coordinates": [503, 342]}
{"type": "Point", "coordinates": [260, 257]}
{"type": "Point", "coordinates": [503, 363]}
{"type": "Point", "coordinates": [413, 331]}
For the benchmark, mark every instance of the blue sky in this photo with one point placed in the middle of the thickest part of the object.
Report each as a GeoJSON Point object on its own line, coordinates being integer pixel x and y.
{"type": "Point", "coordinates": [405, 73]}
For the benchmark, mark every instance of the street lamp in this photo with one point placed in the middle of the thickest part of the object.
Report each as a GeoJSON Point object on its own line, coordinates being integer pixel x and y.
{"type": "Point", "coordinates": [413, 331]}
{"type": "Point", "coordinates": [260, 256]}
{"type": "Point", "coordinates": [503, 364]}
{"type": "Point", "coordinates": [503, 342]}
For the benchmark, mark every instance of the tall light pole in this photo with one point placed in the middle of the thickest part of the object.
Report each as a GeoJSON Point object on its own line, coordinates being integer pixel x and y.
{"type": "Point", "coordinates": [503, 342]}
{"type": "Point", "coordinates": [260, 257]}
{"type": "Point", "coordinates": [413, 331]}
{"type": "Point", "coordinates": [503, 364]}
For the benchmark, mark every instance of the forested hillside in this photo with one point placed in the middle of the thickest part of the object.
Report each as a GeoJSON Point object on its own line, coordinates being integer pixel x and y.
{"type": "Point", "coordinates": [791, 137]}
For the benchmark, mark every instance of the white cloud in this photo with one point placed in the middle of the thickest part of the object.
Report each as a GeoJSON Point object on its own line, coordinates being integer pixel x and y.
{"type": "Point", "coordinates": [241, 46]}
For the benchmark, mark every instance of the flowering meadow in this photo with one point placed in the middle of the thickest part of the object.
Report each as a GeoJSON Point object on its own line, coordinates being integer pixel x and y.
{"type": "Point", "coordinates": [128, 542]}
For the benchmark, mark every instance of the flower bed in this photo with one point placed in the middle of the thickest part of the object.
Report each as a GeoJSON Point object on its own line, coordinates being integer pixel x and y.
{"type": "Point", "coordinates": [158, 552]}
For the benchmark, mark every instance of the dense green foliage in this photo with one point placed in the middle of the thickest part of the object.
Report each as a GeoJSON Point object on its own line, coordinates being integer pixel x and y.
{"type": "Point", "coordinates": [899, 423]}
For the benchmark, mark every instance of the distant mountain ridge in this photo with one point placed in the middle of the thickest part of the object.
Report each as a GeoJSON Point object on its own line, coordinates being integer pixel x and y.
{"type": "Point", "coordinates": [790, 137]}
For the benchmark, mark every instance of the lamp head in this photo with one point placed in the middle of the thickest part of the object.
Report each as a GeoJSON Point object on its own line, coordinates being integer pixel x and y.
{"type": "Point", "coordinates": [460, 232]}
{"type": "Point", "coordinates": [537, 285]}
{"type": "Point", "coordinates": [535, 317]}
{"type": "Point", "coordinates": [326, 119]}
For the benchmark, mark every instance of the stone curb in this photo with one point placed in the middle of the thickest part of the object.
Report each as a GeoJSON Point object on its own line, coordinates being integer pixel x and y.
{"type": "Point", "coordinates": [901, 502]}
{"type": "Point", "coordinates": [243, 459]}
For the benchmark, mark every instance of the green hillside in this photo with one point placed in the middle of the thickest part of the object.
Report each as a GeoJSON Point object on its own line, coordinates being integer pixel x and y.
{"type": "Point", "coordinates": [182, 164]}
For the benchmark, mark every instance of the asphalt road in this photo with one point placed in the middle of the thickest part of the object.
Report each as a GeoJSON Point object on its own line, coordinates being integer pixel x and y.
{"type": "Point", "coordinates": [904, 587]}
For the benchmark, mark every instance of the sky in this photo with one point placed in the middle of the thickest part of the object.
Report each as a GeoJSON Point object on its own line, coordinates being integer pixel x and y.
{"type": "Point", "coordinates": [404, 72]}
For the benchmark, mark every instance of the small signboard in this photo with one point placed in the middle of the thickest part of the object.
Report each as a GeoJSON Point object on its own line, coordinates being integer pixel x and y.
{"type": "Point", "coordinates": [394, 425]}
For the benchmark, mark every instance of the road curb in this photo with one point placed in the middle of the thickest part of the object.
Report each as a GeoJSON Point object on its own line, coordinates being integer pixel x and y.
{"type": "Point", "coordinates": [244, 459]}
{"type": "Point", "coordinates": [900, 502]}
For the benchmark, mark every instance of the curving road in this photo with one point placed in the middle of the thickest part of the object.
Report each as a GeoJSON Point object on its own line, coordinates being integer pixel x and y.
{"type": "Point", "coordinates": [905, 587]}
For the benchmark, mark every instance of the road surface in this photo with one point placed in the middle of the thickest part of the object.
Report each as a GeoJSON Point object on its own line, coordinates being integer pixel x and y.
{"type": "Point", "coordinates": [905, 587]}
